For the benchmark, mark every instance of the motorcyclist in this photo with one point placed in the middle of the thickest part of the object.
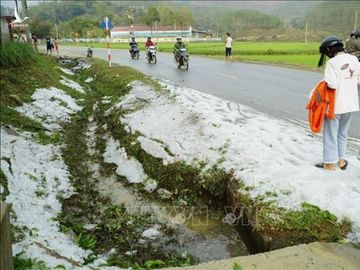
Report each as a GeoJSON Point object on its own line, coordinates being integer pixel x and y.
{"type": "Point", "coordinates": [352, 45]}
{"type": "Point", "coordinates": [90, 52]}
{"type": "Point", "coordinates": [178, 45]}
{"type": "Point", "coordinates": [148, 43]}
{"type": "Point", "coordinates": [133, 44]}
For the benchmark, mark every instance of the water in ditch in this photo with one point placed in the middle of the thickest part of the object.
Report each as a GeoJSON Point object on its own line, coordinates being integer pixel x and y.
{"type": "Point", "coordinates": [199, 233]}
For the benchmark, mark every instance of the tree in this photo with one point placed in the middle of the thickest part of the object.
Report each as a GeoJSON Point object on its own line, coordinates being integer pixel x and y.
{"type": "Point", "coordinates": [151, 16]}
{"type": "Point", "coordinates": [40, 27]}
{"type": "Point", "coordinates": [183, 17]}
{"type": "Point", "coordinates": [167, 15]}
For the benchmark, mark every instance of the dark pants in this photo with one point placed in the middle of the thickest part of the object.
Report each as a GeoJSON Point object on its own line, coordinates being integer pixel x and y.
{"type": "Point", "coordinates": [227, 52]}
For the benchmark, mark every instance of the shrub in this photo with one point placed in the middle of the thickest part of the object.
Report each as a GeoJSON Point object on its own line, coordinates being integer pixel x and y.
{"type": "Point", "coordinates": [16, 54]}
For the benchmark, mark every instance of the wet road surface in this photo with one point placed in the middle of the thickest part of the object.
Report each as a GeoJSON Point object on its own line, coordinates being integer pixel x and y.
{"type": "Point", "coordinates": [276, 91]}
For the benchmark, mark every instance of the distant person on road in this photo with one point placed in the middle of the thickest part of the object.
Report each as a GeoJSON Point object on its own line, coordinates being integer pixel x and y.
{"type": "Point", "coordinates": [228, 48]}
{"type": "Point", "coordinates": [178, 45]}
{"type": "Point", "coordinates": [342, 73]}
{"type": "Point", "coordinates": [132, 44]}
{"type": "Point", "coordinates": [35, 41]}
{"type": "Point", "coordinates": [56, 44]}
{"type": "Point", "coordinates": [352, 45]}
{"type": "Point", "coordinates": [49, 45]}
{"type": "Point", "coordinates": [148, 43]}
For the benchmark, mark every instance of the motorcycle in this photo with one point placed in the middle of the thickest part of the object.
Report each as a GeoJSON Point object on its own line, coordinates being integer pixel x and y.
{"type": "Point", "coordinates": [151, 54]}
{"type": "Point", "coordinates": [183, 59]}
{"type": "Point", "coordinates": [134, 52]}
{"type": "Point", "coordinates": [89, 53]}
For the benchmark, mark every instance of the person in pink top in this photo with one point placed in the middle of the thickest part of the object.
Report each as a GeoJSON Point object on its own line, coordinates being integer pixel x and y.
{"type": "Point", "coordinates": [56, 44]}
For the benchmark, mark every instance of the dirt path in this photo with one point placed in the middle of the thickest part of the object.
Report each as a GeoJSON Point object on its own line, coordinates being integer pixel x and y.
{"type": "Point", "coordinates": [314, 256]}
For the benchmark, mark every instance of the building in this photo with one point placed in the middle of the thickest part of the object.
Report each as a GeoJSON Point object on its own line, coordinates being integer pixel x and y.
{"type": "Point", "coordinates": [157, 33]}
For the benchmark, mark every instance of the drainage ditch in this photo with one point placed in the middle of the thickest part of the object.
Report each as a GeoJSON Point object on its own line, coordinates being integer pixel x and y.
{"type": "Point", "coordinates": [205, 218]}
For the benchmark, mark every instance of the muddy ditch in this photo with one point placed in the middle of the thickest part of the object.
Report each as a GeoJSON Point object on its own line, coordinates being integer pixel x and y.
{"type": "Point", "coordinates": [191, 216]}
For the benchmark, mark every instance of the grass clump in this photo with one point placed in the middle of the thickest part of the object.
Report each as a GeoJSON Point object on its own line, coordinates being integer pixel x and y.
{"type": "Point", "coordinates": [17, 54]}
{"type": "Point", "coordinates": [21, 263]}
{"type": "Point", "coordinates": [288, 227]}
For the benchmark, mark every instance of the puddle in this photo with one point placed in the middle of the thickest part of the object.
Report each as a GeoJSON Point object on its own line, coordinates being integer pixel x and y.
{"type": "Point", "coordinates": [201, 235]}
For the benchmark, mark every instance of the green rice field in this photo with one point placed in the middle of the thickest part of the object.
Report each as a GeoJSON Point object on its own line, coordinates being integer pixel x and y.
{"type": "Point", "coordinates": [296, 54]}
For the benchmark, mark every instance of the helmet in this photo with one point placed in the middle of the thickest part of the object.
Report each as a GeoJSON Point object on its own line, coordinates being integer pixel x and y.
{"type": "Point", "coordinates": [133, 38]}
{"type": "Point", "coordinates": [178, 38]}
{"type": "Point", "coordinates": [329, 47]}
{"type": "Point", "coordinates": [149, 38]}
{"type": "Point", "coordinates": [328, 42]}
{"type": "Point", "coordinates": [355, 34]}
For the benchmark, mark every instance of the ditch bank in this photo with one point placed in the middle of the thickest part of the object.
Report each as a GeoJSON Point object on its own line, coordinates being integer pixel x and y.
{"type": "Point", "coordinates": [179, 214]}
{"type": "Point", "coordinates": [262, 225]}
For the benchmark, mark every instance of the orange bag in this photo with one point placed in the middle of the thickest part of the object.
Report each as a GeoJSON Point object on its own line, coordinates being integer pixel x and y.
{"type": "Point", "coordinates": [321, 105]}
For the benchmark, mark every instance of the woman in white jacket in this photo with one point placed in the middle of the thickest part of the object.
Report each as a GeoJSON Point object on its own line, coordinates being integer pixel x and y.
{"type": "Point", "coordinates": [342, 73]}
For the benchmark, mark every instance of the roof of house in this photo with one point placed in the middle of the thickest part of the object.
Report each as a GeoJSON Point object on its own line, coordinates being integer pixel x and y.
{"type": "Point", "coordinates": [142, 27]}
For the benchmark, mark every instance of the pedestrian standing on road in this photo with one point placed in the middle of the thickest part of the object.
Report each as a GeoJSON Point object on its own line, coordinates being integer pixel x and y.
{"type": "Point", "coordinates": [342, 73]}
{"type": "Point", "coordinates": [49, 45]}
{"type": "Point", "coordinates": [228, 48]}
{"type": "Point", "coordinates": [35, 41]}
{"type": "Point", "coordinates": [56, 44]}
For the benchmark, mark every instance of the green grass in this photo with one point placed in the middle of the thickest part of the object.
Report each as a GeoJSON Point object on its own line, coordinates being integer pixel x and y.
{"type": "Point", "coordinates": [19, 83]}
{"type": "Point", "coordinates": [306, 61]}
{"type": "Point", "coordinates": [296, 54]}
{"type": "Point", "coordinates": [290, 227]}
{"type": "Point", "coordinates": [16, 54]}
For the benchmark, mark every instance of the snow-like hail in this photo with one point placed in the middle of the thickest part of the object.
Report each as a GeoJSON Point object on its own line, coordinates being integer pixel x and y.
{"type": "Point", "coordinates": [70, 83]}
{"type": "Point", "coordinates": [268, 154]}
{"type": "Point", "coordinates": [50, 106]}
{"type": "Point", "coordinates": [36, 175]}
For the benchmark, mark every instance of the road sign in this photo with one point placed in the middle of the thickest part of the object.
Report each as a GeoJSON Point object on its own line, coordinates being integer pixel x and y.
{"type": "Point", "coordinates": [106, 24]}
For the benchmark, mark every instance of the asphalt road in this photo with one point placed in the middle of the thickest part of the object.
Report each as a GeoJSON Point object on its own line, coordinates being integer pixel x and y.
{"type": "Point", "coordinates": [276, 91]}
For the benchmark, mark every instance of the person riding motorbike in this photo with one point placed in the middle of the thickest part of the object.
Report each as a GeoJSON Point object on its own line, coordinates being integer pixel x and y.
{"type": "Point", "coordinates": [352, 45]}
{"type": "Point", "coordinates": [133, 44]}
{"type": "Point", "coordinates": [89, 52]}
{"type": "Point", "coordinates": [178, 45]}
{"type": "Point", "coordinates": [148, 43]}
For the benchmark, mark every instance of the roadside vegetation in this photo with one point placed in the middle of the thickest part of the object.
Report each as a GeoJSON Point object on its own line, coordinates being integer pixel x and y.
{"type": "Point", "coordinates": [17, 54]}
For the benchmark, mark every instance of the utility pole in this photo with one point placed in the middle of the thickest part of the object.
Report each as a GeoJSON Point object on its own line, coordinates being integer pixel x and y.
{"type": "Point", "coordinates": [306, 31]}
{"type": "Point", "coordinates": [356, 19]}
{"type": "Point", "coordinates": [26, 14]}
{"type": "Point", "coordinates": [156, 25]}
{"type": "Point", "coordinates": [56, 27]}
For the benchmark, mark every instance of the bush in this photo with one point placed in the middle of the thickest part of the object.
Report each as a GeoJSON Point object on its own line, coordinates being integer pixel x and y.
{"type": "Point", "coordinates": [16, 54]}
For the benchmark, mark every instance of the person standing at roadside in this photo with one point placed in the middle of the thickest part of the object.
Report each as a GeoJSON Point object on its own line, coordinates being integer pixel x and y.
{"type": "Point", "coordinates": [56, 44]}
{"type": "Point", "coordinates": [228, 48]}
{"type": "Point", "coordinates": [35, 41]}
{"type": "Point", "coordinates": [342, 73]}
{"type": "Point", "coordinates": [48, 44]}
